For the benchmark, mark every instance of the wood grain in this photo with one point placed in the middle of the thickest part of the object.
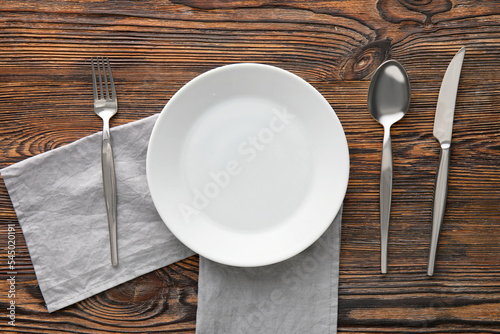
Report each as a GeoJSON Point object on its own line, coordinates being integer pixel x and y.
{"type": "Point", "coordinates": [157, 46]}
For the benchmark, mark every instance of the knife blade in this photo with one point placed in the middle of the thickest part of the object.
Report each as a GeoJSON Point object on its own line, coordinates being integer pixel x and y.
{"type": "Point", "coordinates": [443, 128]}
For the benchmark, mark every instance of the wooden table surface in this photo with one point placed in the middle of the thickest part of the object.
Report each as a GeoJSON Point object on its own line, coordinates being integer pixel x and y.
{"type": "Point", "coordinates": [157, 46]}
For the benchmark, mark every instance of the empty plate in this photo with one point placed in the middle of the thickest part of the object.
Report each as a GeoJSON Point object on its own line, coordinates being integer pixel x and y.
{"type": "Point", "coordinates": [248, 165]}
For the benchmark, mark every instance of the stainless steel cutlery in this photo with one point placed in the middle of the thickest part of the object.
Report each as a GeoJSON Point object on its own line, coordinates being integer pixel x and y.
{"type": "Point", "coordinates": [105, 106]}
{"type": "Point", "coordinates": [443, 127]}
{"type": "Point", "coordinates": [388, 101]}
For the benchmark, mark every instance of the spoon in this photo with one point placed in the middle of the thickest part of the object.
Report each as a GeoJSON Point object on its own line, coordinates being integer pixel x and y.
{"type": "Point", "coordinates": [388, 101]}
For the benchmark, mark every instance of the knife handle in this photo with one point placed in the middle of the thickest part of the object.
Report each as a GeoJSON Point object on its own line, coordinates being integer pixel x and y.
{"type": "Point", "coordinates": [109, 184]}
{"type": "Point", "coordinates": [385, 197]}
{"type": "Point", "coordinates": [440, 192]}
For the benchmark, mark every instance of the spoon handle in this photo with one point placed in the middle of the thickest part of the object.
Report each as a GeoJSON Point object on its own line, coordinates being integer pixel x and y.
{"type": "Point", "coordinates": [385, 196]}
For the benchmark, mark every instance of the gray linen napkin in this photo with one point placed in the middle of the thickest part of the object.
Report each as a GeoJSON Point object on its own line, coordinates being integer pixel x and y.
{"type": "Point", "coordinates": [298, 295]}
{"type": "Point", "coordinates": [58, 199]}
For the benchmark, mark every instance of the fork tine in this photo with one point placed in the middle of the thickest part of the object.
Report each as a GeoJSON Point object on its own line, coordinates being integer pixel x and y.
{"type": "Point", "coordinates": [105, 78]}
{"type": "Point", "coordinates": [94, 79]}
{"type": "Point", "coordinates": [111, 82]}
{"type": "Point", "coordinates": [100, 79]}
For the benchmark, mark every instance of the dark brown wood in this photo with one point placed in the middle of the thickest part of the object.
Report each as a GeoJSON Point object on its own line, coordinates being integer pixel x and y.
{"type": "Point", "coordinates": [157, 46]}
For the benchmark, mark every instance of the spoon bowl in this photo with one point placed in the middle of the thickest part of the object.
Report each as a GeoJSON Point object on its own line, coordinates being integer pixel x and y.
{"type": "Point", "coordinates": [389, 93]}
{"type": "Point", "coordinates": [388, 101]}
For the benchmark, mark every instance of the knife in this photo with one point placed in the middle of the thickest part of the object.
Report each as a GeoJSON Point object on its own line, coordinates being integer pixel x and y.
{"type": "Point", "coordinates": [443, 127]}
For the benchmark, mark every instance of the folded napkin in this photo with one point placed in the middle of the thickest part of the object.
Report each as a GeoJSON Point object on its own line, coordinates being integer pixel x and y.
{"type": "Point", "coordinates": [58, 198]}
{"type": "Point", "coordinates": [59, 201]}
{"type": "Point", "coordinates": [298, 295]}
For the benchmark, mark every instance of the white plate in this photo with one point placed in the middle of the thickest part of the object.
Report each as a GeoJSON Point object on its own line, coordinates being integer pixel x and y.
{"type": "Point", "coordinates": [248, 165]}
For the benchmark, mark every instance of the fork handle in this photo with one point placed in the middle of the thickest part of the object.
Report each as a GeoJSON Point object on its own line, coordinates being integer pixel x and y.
{"type": "Point", "coordinates": [109, 184]}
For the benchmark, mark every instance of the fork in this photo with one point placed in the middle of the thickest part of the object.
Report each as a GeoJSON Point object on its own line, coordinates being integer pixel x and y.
{"type": "Point", "coordinates": [105, 106]}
